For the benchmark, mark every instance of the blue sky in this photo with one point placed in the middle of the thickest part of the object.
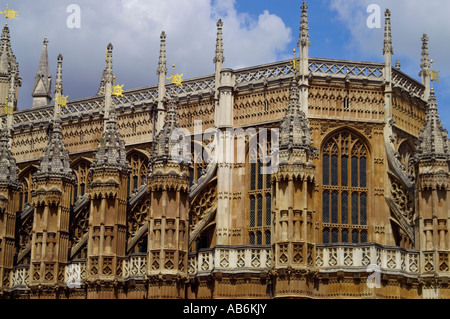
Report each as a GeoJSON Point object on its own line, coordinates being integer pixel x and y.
{"type": "Point", "coordinates": [255, 32]}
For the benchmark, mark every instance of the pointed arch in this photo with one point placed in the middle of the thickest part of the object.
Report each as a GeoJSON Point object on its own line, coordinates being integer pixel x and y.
{"type": "Point", "coordinates": [80, 168]}
{"type": "Point", "coordinates": [259, 189]}
{"type": "Point", "coordinates": [406, 150]}
{"type": "Point", "coordinates": [26, 179]}
{"type": "Point", "coordinates": [139, 161]}
{"type": "Point", "coordinates": [345, 170]}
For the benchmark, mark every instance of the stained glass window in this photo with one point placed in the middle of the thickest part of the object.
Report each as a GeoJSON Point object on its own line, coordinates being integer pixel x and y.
{"type": "Point", "coordinates": [364, 236]}
{"type": "Point", "coordinates": [355, 209]}
{"type": "Point", "coordinates": [344, 171]}
{"type": "Point", "coordinates": [260, 194]}
{"type": "Point", "coordinates": [268, 209]}
{"type": "Point", "coordinates": [345, 235]}
{"type": "Point", "coordinates": [334, 207]}
{"type": "Point", "coordinates": [355, 236]}
{"type": "Point", "coordinates": [260, 211]}
{"type": "Point", "coordinates": [259, 238]}
{"type": "Point", "coordinates": [268, 239]}
{"type": "Point", "coordinates": [344, 189]}
{"type": "Point", "coordinates": [354, 172]}
{"type": "Point", "coordinates": [268, 176]}
{"type": "Point", "coordinates": [344, 209]}
{"type": "Point", "coordinates": [363, 172]}
{"type": "Point", "coordinates": [363, 207]}
{"type": "Point", "coordinates": [326, 236]}
{"type": "Point", "coordinates": [260, 175]}
{"type": "Point", "coordinates": [326, 207]}
{"type": "Point", "coordinates": [326, 170]}
{"type": "Point", "coordinates": [253, 176]}
{"type": "Point", "coordinates": [252, 211]}
{"type": "Point", "coordinates": [334, 170]}
{"type": "Point", "coordinates": [252, 238]}
{"type": "Point", "coordinates": [335, 235]}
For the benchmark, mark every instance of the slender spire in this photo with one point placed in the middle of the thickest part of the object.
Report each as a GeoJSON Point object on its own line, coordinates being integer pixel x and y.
{"type": "Point", "coordinates": [58, 91]}
{"type": "Point", "coordinates": [43, 81]}
{"type": "Point", "coordinates": [12, 103]}
{"type": "Point", "coordinates": [58, 80]}
{"type": "Point", "coordinates": [108, 81]}
{"type": "Point", "coordinates": [111, 153]}
{"type": "Point", "coordinates": [425, 67]}
{"type": "Point", "coordinates": [162, 63]}
{"type": "Point", "coordinates": [388, 48]}
{"type": "Point", "coordinates": [5, 46]}
{"type": "Point", "coordinates": [304, 29]}
{"type": "Point", "coordinates": [4, 58]}
{"type": "Point", "coordinates": [161, 72]}
{"type": "Point", "coordinates": [303, 73]}
{"type": "Point", "coordinates": [107, 71]}
{"type": "Point", "coordinates": [433, 142]}
{"type": "Point", "coordinates": [219, 57]}
{"type": "Point", "coordinates": [5, 34]}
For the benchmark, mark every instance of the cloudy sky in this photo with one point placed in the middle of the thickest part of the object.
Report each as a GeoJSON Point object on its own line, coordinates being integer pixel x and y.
{"type": "Point", "coordinates": [255, 32]}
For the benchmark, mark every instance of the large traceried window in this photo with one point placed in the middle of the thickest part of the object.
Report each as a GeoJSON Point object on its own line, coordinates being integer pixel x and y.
{"type": "Point", "coordinates": [344, 190]}
{"type": "Point", "coordinates": [26, 179]}
{"type": "Point", "coordinates": [260, 195]}
{"type": "Point", "coordinates": [82, 180]}
{"type": "Point", "coordinates": [139, 172]}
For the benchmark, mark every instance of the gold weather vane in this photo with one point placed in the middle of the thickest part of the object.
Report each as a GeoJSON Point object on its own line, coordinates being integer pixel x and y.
{"type": "Point", "coordinates": [61, 100]}
{"type": "Point", "coordinates": [9, 13]}
{"type": "Point", "coordinates": [434, 74]}
{"type": "Point", "coordinates": [8, 110]}
{"type": "Point", "coordinates": [176, 78]}
{"type": "Point", "coordinates": [117, 90]}
{"type": "Point", "coordinates": [295, 64]}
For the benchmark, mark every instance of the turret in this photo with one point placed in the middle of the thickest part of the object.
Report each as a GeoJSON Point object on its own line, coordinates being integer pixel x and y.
{"type": "Point", "coordinates": [54, 181]}
{"type": "Point", "coordinates": [432, 165]}
{"type": "Point", "coordinates": [168, 187]}
{"type": "Point", "coordinates": [42, 88]}
{"type": "Point", "coordinates": [108, 196]}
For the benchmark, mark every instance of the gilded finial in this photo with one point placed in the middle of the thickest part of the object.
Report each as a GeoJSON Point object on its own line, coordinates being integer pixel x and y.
{"type": "Point", "coordinates": [295, 64]}
{"type": "Point", "coordinates": [9, 13]}
{"type": "Point", "coordinates": [176, 78]}
{"type": "Point", "coordinates": [434, 75]}
{"type": "Point", "coordinates": [8, 110]}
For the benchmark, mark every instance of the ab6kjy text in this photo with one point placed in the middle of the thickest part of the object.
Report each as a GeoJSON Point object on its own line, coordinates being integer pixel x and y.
{"type": "Point", "coordinates": [255, 309]}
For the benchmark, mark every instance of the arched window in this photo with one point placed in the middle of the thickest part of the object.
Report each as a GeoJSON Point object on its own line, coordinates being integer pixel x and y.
{"type": "Point", "coordinates": [200, 161]}
{"type": "Point", "coordinates": [26, 179]}
{"type": "Point", "coordinates": [344, 189]}
{"type": "Point", "coordinates": [139, 172]}
{"type": "Point", "coordinates": [81, 171]}
{"type": "Point", "coordinates": [406, 152]}
{"type": "Point", "coordinates": [260, 193]}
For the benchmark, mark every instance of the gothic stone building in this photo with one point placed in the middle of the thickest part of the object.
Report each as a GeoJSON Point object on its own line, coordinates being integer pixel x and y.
{"type": "Point", "coordinates": [345, 196]}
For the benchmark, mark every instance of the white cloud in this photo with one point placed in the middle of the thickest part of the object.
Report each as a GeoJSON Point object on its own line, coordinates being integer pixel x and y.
{"type": "Point", "coordinates": [134, 27]}
{"type": "Point", "coordinates": [410, 20]}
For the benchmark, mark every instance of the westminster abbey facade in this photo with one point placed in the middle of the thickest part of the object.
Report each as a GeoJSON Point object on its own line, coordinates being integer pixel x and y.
{"type": "Point", "coordinates": [315, 179]}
